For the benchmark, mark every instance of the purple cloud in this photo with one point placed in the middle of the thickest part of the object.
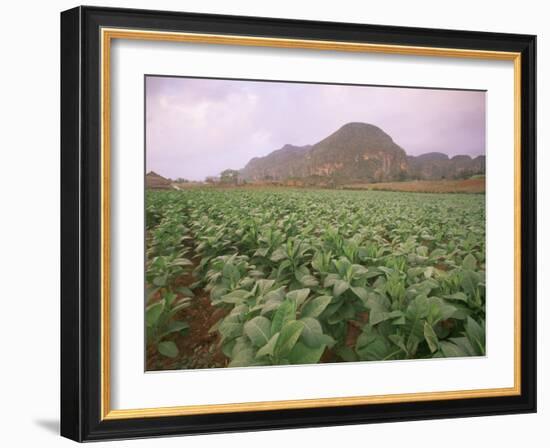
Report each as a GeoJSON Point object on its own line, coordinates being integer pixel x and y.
{"type": "Point", "coordinates": [199, 127]}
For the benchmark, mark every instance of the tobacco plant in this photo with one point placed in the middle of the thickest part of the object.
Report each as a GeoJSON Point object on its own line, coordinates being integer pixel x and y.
{"type": "Point", "coordinates": [307, 276]}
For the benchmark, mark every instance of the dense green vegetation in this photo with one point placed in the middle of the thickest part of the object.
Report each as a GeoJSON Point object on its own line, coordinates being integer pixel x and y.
{"type": "Point", "coordinates": [300, 274]}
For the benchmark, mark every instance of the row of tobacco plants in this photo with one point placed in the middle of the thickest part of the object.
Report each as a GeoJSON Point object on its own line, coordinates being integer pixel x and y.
{"type": "Point", "coordinates": [310, 276]}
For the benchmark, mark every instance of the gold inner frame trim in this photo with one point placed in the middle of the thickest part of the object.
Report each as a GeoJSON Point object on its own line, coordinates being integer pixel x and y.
{"type": "Point", "coordinates": [107, 35]}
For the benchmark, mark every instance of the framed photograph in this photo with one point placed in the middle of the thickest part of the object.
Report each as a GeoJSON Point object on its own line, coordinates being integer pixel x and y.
{"type": "Point", "coordinates": [273, 223]}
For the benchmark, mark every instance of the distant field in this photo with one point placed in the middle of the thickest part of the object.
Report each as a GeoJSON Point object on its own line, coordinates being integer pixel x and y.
{"type": "Point", "coordinates": [474, 185]}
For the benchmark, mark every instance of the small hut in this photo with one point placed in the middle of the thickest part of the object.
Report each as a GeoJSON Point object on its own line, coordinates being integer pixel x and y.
{"type": "Point", "coordinates": [155, 181]}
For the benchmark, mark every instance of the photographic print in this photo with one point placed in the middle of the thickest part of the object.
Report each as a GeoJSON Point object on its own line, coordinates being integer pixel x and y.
{"type": "Point", "coordinates": [299, 223]}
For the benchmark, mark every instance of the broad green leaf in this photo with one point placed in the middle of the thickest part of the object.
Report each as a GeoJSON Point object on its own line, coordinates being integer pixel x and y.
{"type": "Point", "coordinates": [258, 330]}
{"type": "Point", "coordinates": [267, 349]}
{"type": "Point", "coordinates": [175, 327]}
{"type": "Point", "coordinates": [330, 280]}
{"type": "Point", "coordinates": [399, 341]}
{"type": "Point", "coordinates": [243, 352]}
{"type": "Point", "coordinates": [416, 313]}
{"type": "Point", "coordinates": [230, 330]}
{"type": "Point", "coordinates": [227, 347]}
{"type": "Point", "coordinates": [312, 334]}
{"type": "Point", "coordinates": [275, 295]}
{"type": "Point", "coordinates": [308, 280]}
{"type": "Point", "coordinates": [438, 253]}
{"type": "Point", "coordinates": [379, 312]}
{"type": "Point", "coordinates": [302, 354]}
{"type": "Point", "coordinates": [264, 285]}
{"type": "Point", "coordinates": [358, 270]}
{"type": "Point", "coordinates": [340, 287]}
{"type": "Point", "coordinates": [464, 345]}
{"type": "Point", "coordinates": [243, 358]}
{"type": "Point", "coordinates": [451, 350]}
{"type": "Point", "coordinates": [180, 305]}
{"type": "Point", "coordinates": [469, 262]}
{"type": "Point", "coordinates": [422, 250]}
{"type": "Point", "coordinates": [278, 255]}
{"type": "Point", "coordinates": [412, 344]}
{"type": "Point", "coordinates": [397, 318]}
{"type": "Point", "coordinates": [160, 280]}
{"type": "Point", "coordinates": [153, 312]}
{"type": "Point", "coordinates": [316, 306]}
{"type": "Point", "coordinates": [476, 335]}
{"type": "Point", "coordinates": [215, 327]}
{"type": "Point", "coordinates": [431, 337]}
{"type": "Point", "coordinates": [182, 262]}
{"type": "Point", "coordinates": [284, 265]}
{"type": "Point", "coordinates": [269, 306]}
{"type": "Point", "coordinates": [469, 282]}
{"type": "Point", "coordinates": [346, 353]}
{"type": "Point", "coordinates": [236, 297]}
{"type": "Point", "coordinates": [185, 291]}
{"type": "Point", "coordinates": [360, 292]}
{"type": "Point", "coordinates": [371, 346]}
{"type": "Point", "coordinates": [333, 307]}
{"type": "Point", "coordinates": [298, 296]}
{"type": "Point", "coordinates": [285, 313]}
{"type": "Point", "coordinates": [168, 348]}
{"type": "Point", "coordinates": [347, 310]}
{"type": "Point", "coordinates": [428, 272]}
{"type": "Point", "coordinates": [415, 272]}
{"type": "Point", "coordinates": [440, 310]}
{"type": "Point", "coordinates": [230, 271]}
{"type": "Point", "coordinates": [290, 334]}
{"type": "Point", "coordinates": [238, 311]}
{"type": "Point", "coordinates": [262, 252]}
{"type": "Point", "coordinates": [169, 298]}
{"type": "Point", "coordinates": [457, 296]}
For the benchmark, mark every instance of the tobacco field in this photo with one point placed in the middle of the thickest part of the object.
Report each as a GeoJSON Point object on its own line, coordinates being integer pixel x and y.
{"type": "Point", "coordinates": [250, 277]}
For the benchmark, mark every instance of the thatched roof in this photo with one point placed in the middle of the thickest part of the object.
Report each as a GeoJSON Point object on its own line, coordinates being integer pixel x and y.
{"type": "Point", "coordinates": [157, 182]}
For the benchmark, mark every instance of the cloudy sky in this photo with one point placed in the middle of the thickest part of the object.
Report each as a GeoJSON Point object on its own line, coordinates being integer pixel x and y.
{"type": "Point", "coordinates": [199, 127]}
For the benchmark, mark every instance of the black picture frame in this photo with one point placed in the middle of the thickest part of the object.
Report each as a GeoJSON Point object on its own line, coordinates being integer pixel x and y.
{"type": "Point", "coordinates": [81, 224]}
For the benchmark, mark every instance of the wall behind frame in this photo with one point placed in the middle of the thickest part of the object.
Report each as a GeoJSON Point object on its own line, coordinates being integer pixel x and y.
{"type": "Point", "coordinates": [29, 189]}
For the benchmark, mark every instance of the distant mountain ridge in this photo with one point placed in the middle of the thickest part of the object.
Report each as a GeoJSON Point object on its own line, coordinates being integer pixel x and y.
{"type": "Point", "coordinates": [288, 161]}
{"type": "Point", "coordinates": [357, 152]}
{"type": "Point", "coordinates": [436, 165]}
